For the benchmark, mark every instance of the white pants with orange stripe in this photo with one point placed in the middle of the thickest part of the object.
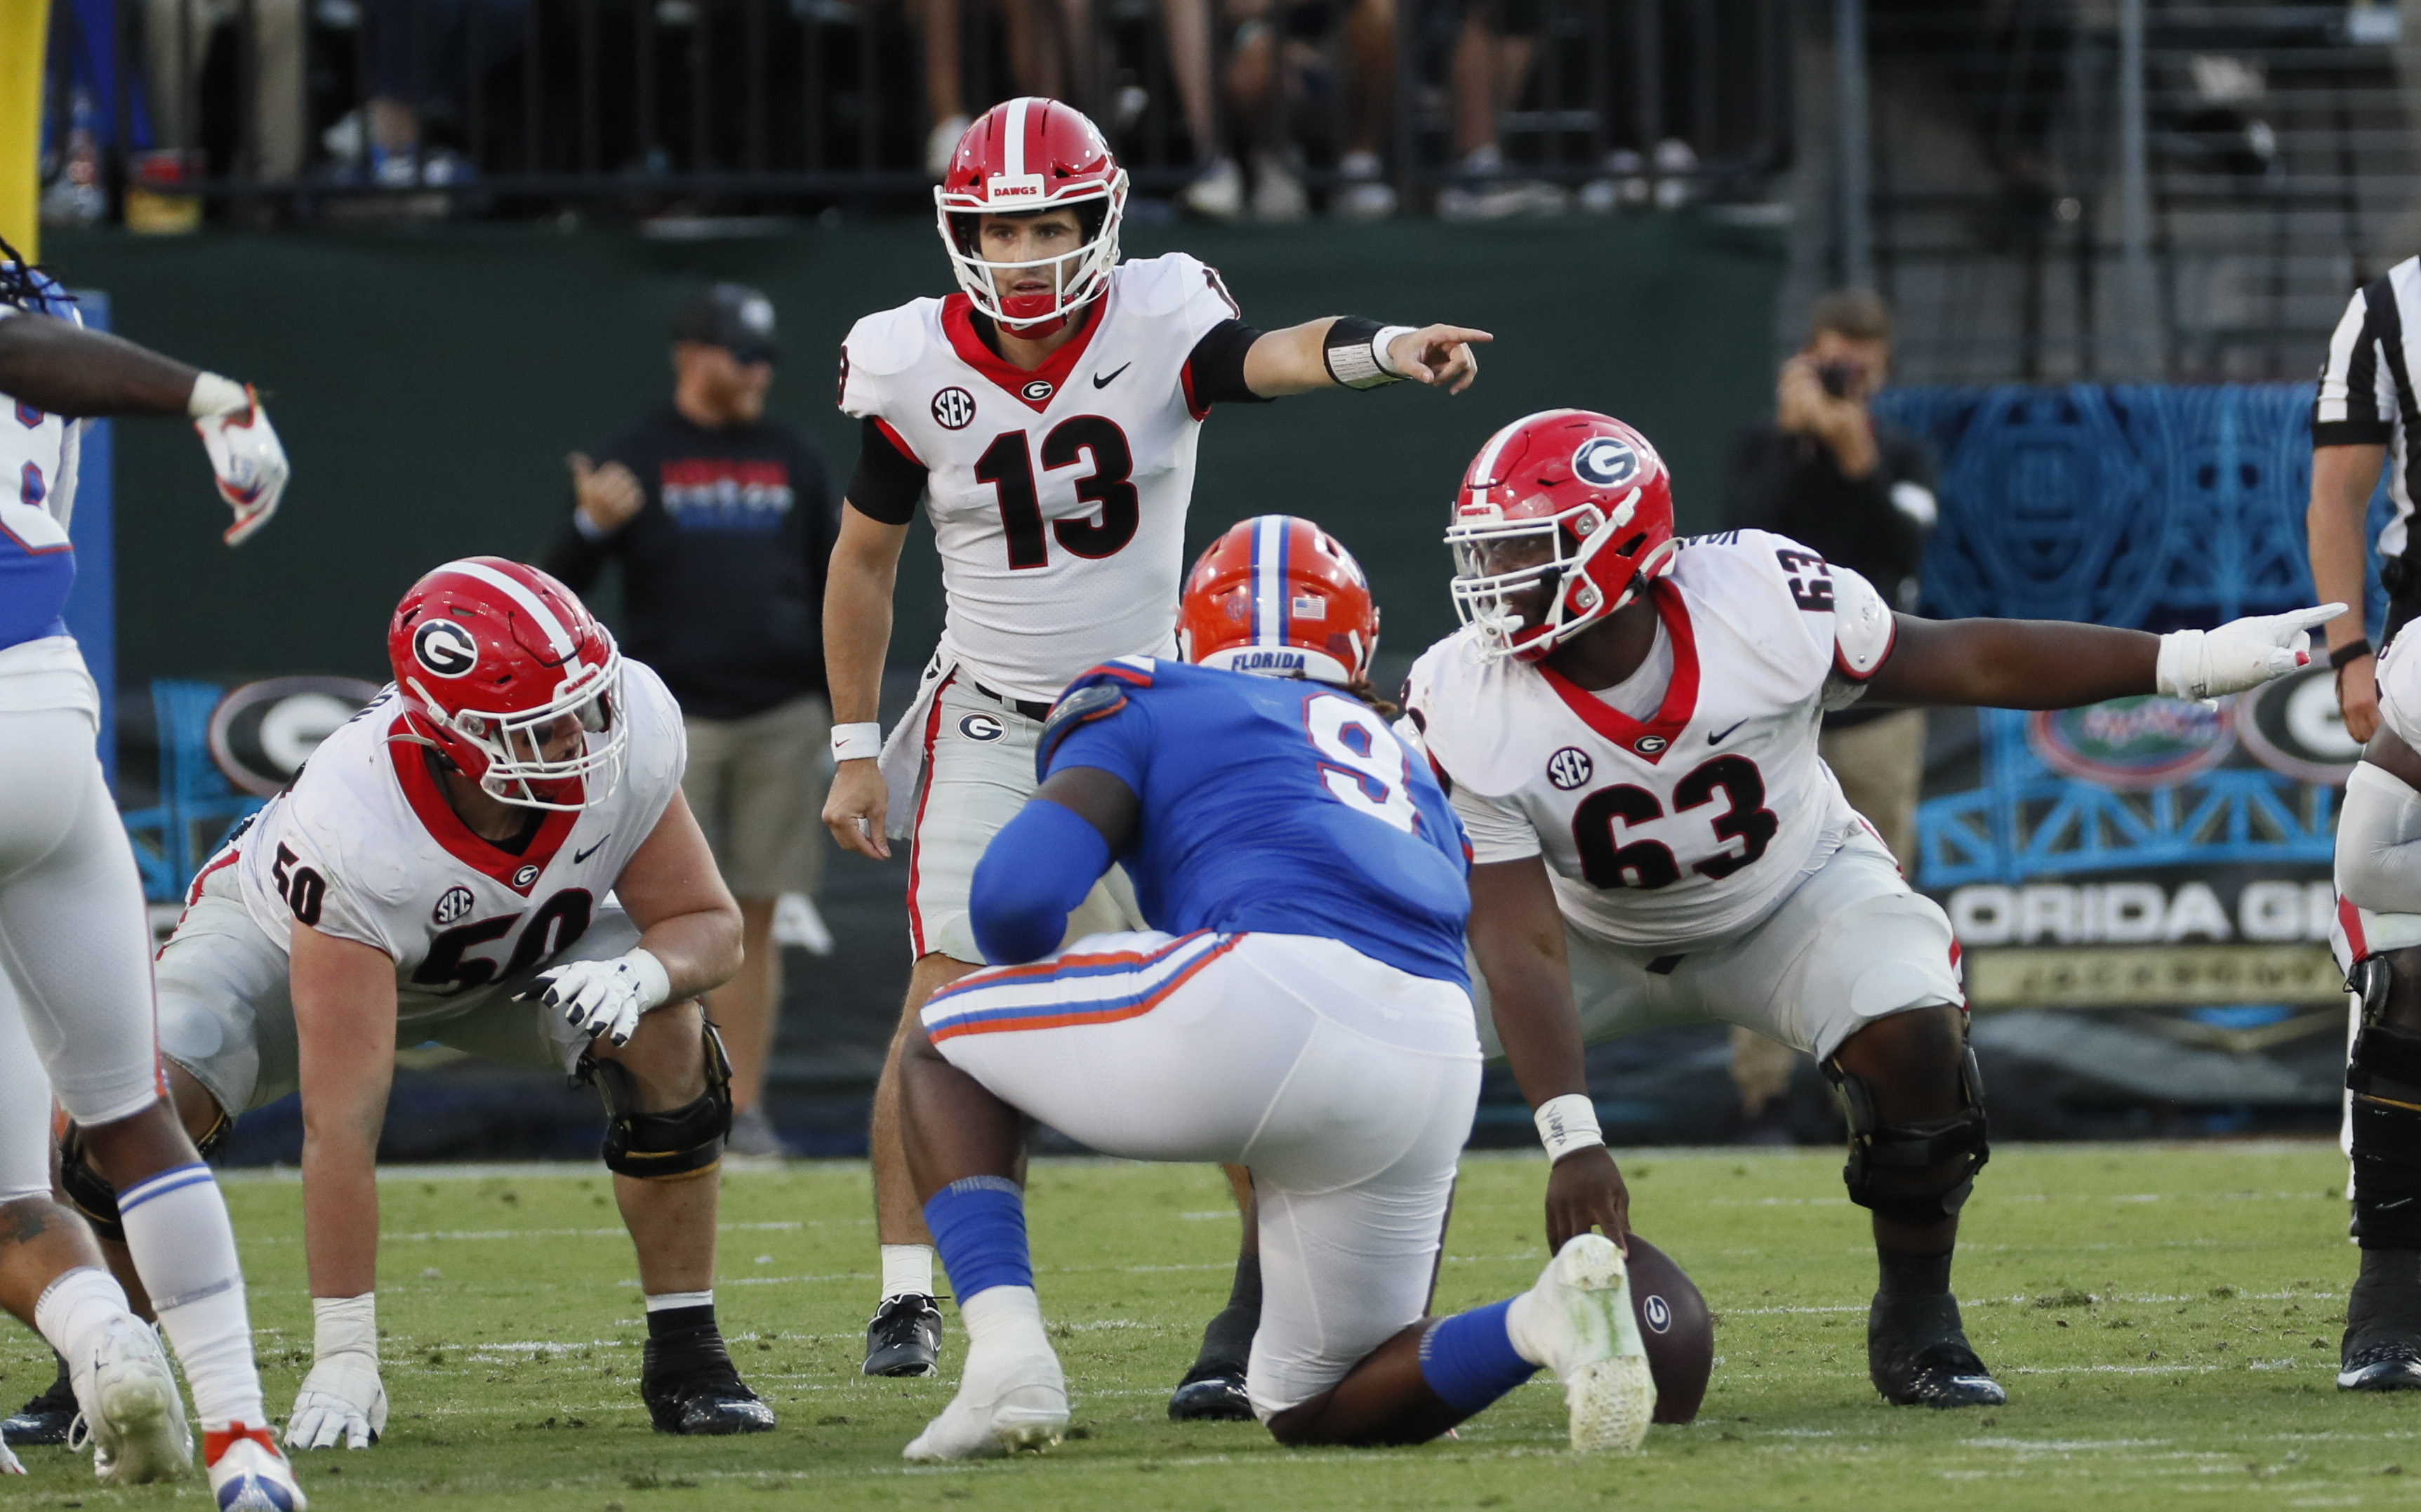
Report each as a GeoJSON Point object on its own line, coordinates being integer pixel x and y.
{"type": "Point", "coordinates": [75, 990]}
{"type": "Point", "coordinates": [1345, 1084]}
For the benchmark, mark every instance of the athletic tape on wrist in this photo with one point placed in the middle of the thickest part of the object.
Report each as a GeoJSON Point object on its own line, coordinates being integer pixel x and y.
{"type": "Point", "coordinates": [655, 983]}
{"type": "Point", "coordinates": [857, 742]}
{"type": "Point", "coordinates": [1354, 348]}
{"type": "Point", "coordinates": [345, 1325]}
{"type": "Point", "coordinates": [1567, 1124]}
{"type": "Point", "coordinates": [214, 395]}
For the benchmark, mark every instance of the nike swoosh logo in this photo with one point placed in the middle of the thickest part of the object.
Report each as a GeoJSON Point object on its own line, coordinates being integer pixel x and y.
{"type": "Point", "coordinates": [1717, 738]}
{"type": "Point", "coordinates": [579, 856]}
{"type": "Point", "coordinates": [1105, 380]}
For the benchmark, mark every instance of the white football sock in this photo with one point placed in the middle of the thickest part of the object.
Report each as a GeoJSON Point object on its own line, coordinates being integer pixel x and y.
{"type": "Point", "coordinates": [1007, 1318]}
{"type": "Point", "coordinates": [907, 1270]}
{"type": "Point", "coordinates": [184, 1250]}
{"type": "Point", "coordinates": [77, 1306]}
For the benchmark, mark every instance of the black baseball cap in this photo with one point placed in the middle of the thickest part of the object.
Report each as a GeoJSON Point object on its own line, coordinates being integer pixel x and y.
{"type": "Point", "coordinates": [732, 316]}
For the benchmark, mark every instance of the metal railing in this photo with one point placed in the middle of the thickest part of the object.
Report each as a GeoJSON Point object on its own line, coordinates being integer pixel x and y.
{"type": "Point", "coordinates": [272, 109]}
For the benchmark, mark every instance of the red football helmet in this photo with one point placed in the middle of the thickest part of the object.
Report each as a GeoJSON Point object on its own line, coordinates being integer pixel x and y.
{"type": "Point", "coordinates": [1570, 498]}
{"type": "Point", "coordinates": [491, 656]}
{"type": "Point", "coordinates": [1032, 154]}
{"type": "Point", "coordinates": [1280, 597]}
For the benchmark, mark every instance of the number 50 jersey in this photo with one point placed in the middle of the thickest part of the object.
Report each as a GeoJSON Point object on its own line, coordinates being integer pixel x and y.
{"type": "Point", "coordinates": [1697, 821]}
{"type": "Point", "coordinates": [365, 847]}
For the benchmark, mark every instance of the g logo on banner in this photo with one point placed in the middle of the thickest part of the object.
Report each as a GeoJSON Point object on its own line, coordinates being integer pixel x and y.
{"type": "Point", "coordinates": [1605, 462]}
{"type": "Point", "coordinates": [445, 648]}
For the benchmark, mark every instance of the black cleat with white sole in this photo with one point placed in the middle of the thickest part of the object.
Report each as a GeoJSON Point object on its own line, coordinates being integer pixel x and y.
{"type": "Point", "coordinates": [47, 1418]}
{"type": "Point", "coordinates": [2382, 1351]}
{"type": "Point", "coordinates": [692, 1387]}
{"type": "Point", "coordinates": [1917, 1355]}
{"type": "Point", "coordinates": [1212, 1392]}
{"type": "Point", "coordinates": [905, 1337]}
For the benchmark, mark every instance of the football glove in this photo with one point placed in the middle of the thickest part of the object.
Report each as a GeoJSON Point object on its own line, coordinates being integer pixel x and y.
{"type": "Point", "coordinates": [2240, 654]}
{"type": "Point", "coordinates": [342, 1402]}
{"type": "Point", "coordinates": [603, 997]}
{"type": "Point", "coordinates": [243, 449]}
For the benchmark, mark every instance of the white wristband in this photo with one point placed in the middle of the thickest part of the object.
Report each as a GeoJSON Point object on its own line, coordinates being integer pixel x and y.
{"type": "Point", "coordinates": [857, 742]}
{"type": "Point", "coordinates": [344, 1325]}
{"type": "Point", "coordinates": [1567, 1124]}
{"type": "Point", "coordinates": [655, 983]}
{"type": "Point", "coordinates": [213, 394]}
{"type": "Point", "coordinates": [1385, 339]}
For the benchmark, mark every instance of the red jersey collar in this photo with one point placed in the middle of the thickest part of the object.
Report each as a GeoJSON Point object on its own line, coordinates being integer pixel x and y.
{"type": "Point", "coordinates": [1650, 740]}
{"type": "Point", "coordinates": [427, 799]}
{"type": "Point", "coordinates": [958, 325]}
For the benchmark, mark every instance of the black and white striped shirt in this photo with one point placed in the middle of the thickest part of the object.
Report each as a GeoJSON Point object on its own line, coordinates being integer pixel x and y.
{"type": "Point", "coordinates": [2366, 392]}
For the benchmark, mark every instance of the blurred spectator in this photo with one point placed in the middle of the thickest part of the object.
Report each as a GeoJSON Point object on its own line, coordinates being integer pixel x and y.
{"type": "Point", "coordinates": [177, 40]}
{"type": "Point", "coordinates": [723, 522]}
{"type": "Point", "coordinates": [1858, 490]}
{"type": "Point", "coordinates": [1051, 54]}
{"type": "Point", "coordinates": [420, 73]}
{"type": "Point", "coordinates": [1492, 55]}
{"type": "Point", "coordinates": [1276, 61]}
{"type": "Point", "coordinates": [1218, 187]}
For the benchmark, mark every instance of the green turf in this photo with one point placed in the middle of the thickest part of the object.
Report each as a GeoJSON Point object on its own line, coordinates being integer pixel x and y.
{"type": "Point", "coordinates": [2165, 1320]}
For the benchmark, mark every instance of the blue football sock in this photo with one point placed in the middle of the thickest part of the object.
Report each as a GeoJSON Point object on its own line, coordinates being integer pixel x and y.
{"type": "Point", "coordinates": [1469, 1360]}
{"type": "Point", "coordinates": [978, 1225]}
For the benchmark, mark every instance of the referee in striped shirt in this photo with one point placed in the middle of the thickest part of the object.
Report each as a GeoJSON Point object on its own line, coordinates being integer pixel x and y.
{"type": "Point", "coordinates": [2364, 409]}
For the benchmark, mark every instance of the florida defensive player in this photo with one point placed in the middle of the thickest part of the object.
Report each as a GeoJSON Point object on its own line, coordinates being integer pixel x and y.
{"type": "Point", "coordinates": [440, 871]}
{"type": "Point", "coordinates": [1298, 1007]}
{"type": "Point", "coordinates": [2378, 940]}
{"type": "Point", "coordinates": [1048, 413]}
{"type": "Point", "coordinates": [75, 999]}
{"type": "Point", "coordinates": [1627, 725]}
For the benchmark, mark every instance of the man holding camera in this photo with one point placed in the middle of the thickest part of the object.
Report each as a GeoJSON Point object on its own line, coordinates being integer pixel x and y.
{"type": "Point", "coordinates": [1859, 488]}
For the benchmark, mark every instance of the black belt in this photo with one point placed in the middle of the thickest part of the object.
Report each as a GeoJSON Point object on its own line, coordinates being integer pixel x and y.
{"type": "Point", "coordinates": [1029, 707]}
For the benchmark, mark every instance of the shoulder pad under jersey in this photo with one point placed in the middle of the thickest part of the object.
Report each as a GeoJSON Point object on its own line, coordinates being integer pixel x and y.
{"type": "Point", "coordinates": [1864, 628]}
{"type": "Point", "coordinates": [1097, 695]}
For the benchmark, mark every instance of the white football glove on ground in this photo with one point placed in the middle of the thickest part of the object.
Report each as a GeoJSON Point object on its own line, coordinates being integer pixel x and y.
{"type": "Point", "coordinates": [243, 449]}
{"type": "Point", "coordinates": [342, 1401]}
{"type": "Point", "coordinates": [603, 997]}
{"type": "Point", "coordinates": [2240, 654]}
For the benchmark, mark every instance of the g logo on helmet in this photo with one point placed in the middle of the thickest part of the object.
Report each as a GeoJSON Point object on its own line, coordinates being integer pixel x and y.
{"type": "Point", "coordinates": [1605, 463]}
{"type": "Point", "coordinates": [445, 648]}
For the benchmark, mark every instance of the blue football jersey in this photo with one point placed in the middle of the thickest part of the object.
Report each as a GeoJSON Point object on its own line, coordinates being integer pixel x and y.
{"type": "Point", "coordinates": [1274, 804]}
{"type": "Point", "coordinates": [38, 457]}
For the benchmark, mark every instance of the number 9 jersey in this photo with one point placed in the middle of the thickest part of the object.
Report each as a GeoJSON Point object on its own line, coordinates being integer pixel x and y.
{"type": "Point", "coordinates": [1692, 812]}
{"type": "Point", "coordinates": [363, 846]}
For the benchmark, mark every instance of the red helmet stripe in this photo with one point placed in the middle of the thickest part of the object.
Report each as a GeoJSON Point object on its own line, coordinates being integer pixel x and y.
{"type": "Point", "coordinates": [558, 638]}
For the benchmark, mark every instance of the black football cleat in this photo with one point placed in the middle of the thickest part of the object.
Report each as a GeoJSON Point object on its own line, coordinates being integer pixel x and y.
{"type": "Point", "coordinates": [905, 1337]}
{"type": "Point", "coordinates": [1212, 1393]}
{"type": "Point", "coordinates": [2382, 1350]}
{"type": "Point", "coordinates": [692, 1387]}
{"type": "Point", "coordinates": [47, 1418]}
{"type": "Point", "coordinates": [1917, 1355]}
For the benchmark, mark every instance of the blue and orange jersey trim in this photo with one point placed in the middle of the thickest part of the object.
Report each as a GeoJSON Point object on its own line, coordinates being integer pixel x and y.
{"type": "Point", "coordinates": [1091, 989]}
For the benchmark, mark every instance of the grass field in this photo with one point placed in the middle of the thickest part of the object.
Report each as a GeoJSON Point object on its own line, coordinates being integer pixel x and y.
{"type": "Point", "coordinates": [2165, 1320]}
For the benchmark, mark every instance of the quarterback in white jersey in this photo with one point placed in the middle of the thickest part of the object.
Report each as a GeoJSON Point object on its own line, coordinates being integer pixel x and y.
{"type": "Point", "coordinates": [1046, 415]}
{"type": "Point", "coordinates": [494, 854]}
{"type": "Point", "coordinates": [1627, 725]}
{"type": "Point", "coordinates": [75, 994]}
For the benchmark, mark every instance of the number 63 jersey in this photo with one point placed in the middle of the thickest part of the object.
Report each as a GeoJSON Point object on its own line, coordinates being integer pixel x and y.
{"type": "Point", "coordinates": [364, 846]}
{"type": "Point", "coordinates": [1696, 819]}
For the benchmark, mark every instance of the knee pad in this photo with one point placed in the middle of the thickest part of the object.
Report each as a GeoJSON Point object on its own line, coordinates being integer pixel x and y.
{"type": "Point", "coordinates": [2385, 1076]}
{"type": "Point", "coordinates": [1876, 1147]}
{"type": "Point", "coordinates": [678, 1142]}
{"type": "Point", "coordinates": [89, 1192]}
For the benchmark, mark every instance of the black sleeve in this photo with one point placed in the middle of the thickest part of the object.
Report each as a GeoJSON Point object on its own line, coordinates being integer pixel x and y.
{"type": "Point", "coordinates": [1214, 370]}
{"type": "Point", "coordinates": [888, 481]}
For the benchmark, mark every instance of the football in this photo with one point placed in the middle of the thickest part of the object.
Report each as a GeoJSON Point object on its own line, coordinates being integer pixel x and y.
{"type": "Point", "coordinates": [1674, 1326]}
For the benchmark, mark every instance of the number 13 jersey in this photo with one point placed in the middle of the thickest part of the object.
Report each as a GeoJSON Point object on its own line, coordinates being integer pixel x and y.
{"type": "Point", "coordinates": [364, 846]}
{"type": "Point", "coordinates": [1057, 496]}
{"type": "Point", "coordinates": [1694, 821]}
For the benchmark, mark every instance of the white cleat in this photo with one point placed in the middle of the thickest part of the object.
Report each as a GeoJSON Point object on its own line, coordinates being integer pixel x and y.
{"type": "Point", "coordinates": [134, 1415]}
{"type": "Point", "coordinates": [1583, 1313]}
{"type": "Point", "coordinates": [9, 1463]}
{"type": "Point", "coordinates": [1001, 1407]}
{"type": "Point", "coordinates": [249, 1474]}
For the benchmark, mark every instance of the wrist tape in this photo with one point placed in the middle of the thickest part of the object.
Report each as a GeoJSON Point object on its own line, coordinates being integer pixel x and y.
{"type": "Point", "coordinates": [1355, 352]}
{"type": "Point", "coordinates": [1567, 1124]}
{"type": "Point", "coordinates": [213, 394]}
{"type": "Point", "coordinates": [857, 742]}
{"type": "Point", "coordinates": [344, 1325]}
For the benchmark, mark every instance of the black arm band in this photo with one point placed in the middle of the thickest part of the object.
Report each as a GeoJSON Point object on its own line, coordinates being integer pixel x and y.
{"type": "Point", "coordinates": [1350, 350]}
{"type": "Point", "coordinates": [2349, 651]}
{"type": "Point", "coordinates": [887, 482]}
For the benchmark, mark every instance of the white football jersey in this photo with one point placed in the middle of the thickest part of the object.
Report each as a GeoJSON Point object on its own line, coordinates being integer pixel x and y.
{"type": "Point", "coordinates": [2400, 689]}
{"type": "Point", "coordinates": [1057, 496]}
{"type": "Point", "coordinates": [1695, 822]}
{"type": "Point", "coordinates": [362, 846]}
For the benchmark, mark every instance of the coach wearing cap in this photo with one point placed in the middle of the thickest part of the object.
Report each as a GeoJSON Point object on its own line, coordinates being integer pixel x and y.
{"type": "Point", "coordinates": [723, 522]}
